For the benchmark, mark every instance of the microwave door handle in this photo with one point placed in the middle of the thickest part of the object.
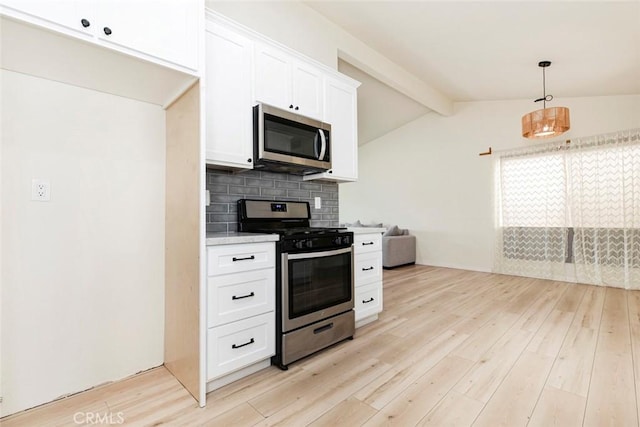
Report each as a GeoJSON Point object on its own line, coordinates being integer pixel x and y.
{"type": "Point", "coordinates": [315, 146]}
{"type": "Point", "coordinates": [323, 139]}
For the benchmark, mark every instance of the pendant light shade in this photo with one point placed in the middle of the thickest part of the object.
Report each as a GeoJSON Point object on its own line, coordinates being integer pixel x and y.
{"type": "Point", "coordinates": [547, 122]}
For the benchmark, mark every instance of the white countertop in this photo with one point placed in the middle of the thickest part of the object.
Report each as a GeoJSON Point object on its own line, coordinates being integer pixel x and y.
{"type": "Point", "coordinates": [366, 230]}
{"type": "Point", "coordinates": [233, 238]}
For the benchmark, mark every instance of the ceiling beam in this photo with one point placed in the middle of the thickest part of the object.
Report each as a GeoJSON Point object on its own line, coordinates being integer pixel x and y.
{"type": "Point", "coordinates": [381, 68]}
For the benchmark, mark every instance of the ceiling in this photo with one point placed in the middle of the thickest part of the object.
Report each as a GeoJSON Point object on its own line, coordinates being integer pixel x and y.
{"type": "Point", "coordinates": [482, 50]}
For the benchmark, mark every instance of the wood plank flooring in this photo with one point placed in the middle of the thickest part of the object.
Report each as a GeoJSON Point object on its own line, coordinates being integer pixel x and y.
{"type": "Point", "coordinates": [452, 348]}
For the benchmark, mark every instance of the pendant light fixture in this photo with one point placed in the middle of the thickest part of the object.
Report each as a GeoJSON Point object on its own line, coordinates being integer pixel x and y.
{"type": "Point", "coordinates": [548, 122]}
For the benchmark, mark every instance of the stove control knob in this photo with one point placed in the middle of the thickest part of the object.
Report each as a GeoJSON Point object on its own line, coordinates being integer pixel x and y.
{"type": "Point", "coordinates": [299, 244]}
{"type": "Point", "coordinates": [308, 243]}
{"type": "Point", "coordinates": [337, 240]}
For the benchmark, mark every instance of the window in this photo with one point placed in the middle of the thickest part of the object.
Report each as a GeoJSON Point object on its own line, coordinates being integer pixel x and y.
{"type": "Point", "coordinates": [572, 204]}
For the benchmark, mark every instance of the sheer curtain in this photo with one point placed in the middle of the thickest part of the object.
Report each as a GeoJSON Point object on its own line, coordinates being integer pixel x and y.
{"type": "Point", "coordinates": [571, 211]}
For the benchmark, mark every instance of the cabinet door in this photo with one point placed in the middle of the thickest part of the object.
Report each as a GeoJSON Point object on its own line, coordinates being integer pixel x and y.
{"type": "Point", "coordinates": [307, 91]}
{"type": "Point", "coordinates": [368, 300]}
{"type": "Point", "coordinates": [229, 128]}
{"type": "Point", "coordinates": [341, 113]}
{"type": "Point", "coordinates": [164, 29]}
{"type": "Point", "coordinates": [365, 243]}
{"type": "Point", "coordinates": [233, 297]}
{"type": "Point", "coordinates": [272, 69]}
{"type": "Point", "coordinates": [368, 268]}
{"type": "Point", "coordinates": [66, 13]}
{"type": "Point", "coordinates": [239, 344]}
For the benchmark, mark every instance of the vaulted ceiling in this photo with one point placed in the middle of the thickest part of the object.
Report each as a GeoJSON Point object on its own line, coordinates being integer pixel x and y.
{"type": "Point", "coordinates": [489, 50]}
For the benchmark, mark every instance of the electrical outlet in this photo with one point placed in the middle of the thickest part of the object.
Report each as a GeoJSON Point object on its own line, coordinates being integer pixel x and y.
{"type": "Point", "coordinates": [208, 198]}
{"type": "Point", "coordinates": [40, 190]}
{"type": "Point", "coordinates": [318, 202]}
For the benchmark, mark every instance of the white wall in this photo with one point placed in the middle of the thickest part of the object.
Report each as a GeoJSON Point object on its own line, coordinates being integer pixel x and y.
{"type": "Point", "coordinates": [427, 175]}
{"type": "Point", "coordinates": [83, 274]}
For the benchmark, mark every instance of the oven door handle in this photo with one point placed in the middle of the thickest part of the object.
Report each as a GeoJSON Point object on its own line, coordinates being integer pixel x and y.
{"type": "Point", "coordinates": [319, 254]}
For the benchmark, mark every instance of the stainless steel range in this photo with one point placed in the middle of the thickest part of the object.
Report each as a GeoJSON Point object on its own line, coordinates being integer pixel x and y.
{"type": "Point", "coordinates": [314, 277]}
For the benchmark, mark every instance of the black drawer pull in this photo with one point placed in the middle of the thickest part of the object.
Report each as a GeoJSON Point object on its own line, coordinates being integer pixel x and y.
{"type": "Point", "coordinates": [251, 341]}
{"type": "Point", "coordinates": [244, 259]}
{"type": "Point", "coordinates": [367, 243]}
{"type": "Point", "coordinates": [367, 301]}
{"type": "Point", "coordinates": [367, 269]}
{"type": "Point", "coordinates": [243, 296]}
{"type": "Point", "coordinates": [323, 328]}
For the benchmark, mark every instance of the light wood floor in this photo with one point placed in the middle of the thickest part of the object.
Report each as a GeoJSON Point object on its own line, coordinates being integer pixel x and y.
{"type": "Point", "coordinates": [452, 347]}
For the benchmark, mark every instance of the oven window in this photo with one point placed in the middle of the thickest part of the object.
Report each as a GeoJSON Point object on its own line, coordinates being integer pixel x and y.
{"type": "Point", "coordinates": [285, 137]}
{"type": "Point", "coordinates": [318, 283]}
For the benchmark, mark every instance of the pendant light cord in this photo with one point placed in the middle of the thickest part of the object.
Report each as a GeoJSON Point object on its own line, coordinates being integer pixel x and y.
{"type": "Point", "coordinates": [544, 89]}
{"type": "Point", "coordinates": [545, 97]}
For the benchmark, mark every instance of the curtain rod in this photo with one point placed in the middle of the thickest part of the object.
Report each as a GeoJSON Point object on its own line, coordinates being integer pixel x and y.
{"type": "Point", "coordinates": [490, 151]}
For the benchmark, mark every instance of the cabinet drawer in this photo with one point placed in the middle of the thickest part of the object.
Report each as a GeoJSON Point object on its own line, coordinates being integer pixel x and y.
{"type": "Point", "coordinates": [367, 242]}
{"type": "Point", "coordinates": [227, 259]}
{"type": "Point", "coordinates": [368, 300]}
{"type": "Point", "coordinates": [237, 296]}
{"type": "Point", "coordinates": [368, 268]}
{"type": "Point", "coordinates": [240, 344]}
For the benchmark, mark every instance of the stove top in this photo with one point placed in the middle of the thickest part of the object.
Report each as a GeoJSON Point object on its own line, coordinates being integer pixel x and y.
{"type": "Point", "coordinates": [300, 231]}
{"type": "Point", "coordinates": [291, 221]}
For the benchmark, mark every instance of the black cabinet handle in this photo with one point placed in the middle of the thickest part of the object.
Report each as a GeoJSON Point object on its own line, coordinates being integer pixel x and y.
{"type": "Point", "coordinates": [243, 259]}
{"type": "Point", "coordinates": [330, 170]}
{"type": "Point", "coordinates": [323, 328]}
{"type": "Point", "coordinates": [367, 243]}
{"type": "Point", "coordinates": [107, 31]}
{"type": "Point", "coordinates": [291, 106]}
{"type": "Point", "coordinates": [85, 22]}
{"type": "Point", "coordinates": [367, 269]}
{"type": "Point", "coordinates": [367, 301]}
{"type": "Point", "coordinates": [249, 160]}
{"type": "Point", "coordinates": [243, 296]}
{"type": "Point", "coordinates": [251, 341]}
{"type": "Point", "coordinates": [297, 108]}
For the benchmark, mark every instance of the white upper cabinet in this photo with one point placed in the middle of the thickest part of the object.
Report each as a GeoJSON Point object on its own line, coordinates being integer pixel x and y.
{"type": "Point", "coordinates": [74, 15]}
{"type": "Point", "coordinates": [286, 82]}
{"type": "Point", "coordinates": [272, 76]}
{"type": "Point", "coordinates": [341, 112]}
{"type": "Point", "coordinates": [244, 68]}
{"type": "Point", "coordinates": [229, 120]}
{"type": "Point", "coordinates": [165, 30]}
{"type": "Point", "coordinates": [308, 85]}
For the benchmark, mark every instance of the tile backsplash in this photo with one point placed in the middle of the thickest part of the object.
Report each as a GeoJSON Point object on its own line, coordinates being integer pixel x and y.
{"type": "Point", "coordinates": [226, 187]}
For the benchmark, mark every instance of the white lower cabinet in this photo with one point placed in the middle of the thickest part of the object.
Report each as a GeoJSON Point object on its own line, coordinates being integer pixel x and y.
{"type": "Point", "coordinates": [238, 296]}
{"type": "Point", "coordinates": [368, 301]}
{"type": "Point", "coordinates": [240, 309]}
{"type": "Point", "coordinates": [368, 277]}
{"type": "Point", "coordinates": [240, 344]}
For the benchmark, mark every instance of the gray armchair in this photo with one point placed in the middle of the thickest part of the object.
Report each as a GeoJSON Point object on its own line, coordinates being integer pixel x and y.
{"type": "Point", "coordinates": [398, 248]}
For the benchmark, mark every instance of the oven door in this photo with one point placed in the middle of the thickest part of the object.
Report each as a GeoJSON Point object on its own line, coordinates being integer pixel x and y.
{"type": "Point", "coordinates": [316, 285]}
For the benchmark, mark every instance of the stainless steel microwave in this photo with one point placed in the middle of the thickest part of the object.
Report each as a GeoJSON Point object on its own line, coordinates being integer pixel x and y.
{"type": "Point", "coordinates": [287, 142]}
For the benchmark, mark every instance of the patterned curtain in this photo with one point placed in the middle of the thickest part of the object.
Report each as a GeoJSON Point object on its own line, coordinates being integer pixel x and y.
{"type": "Point", "coordinates": [571, 211]}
